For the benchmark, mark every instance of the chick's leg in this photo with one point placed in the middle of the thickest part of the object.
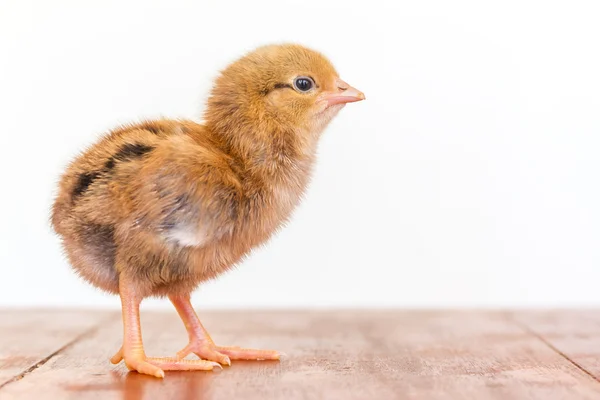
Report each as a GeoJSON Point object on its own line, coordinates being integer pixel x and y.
{"type": "Point", "coordinates": [132, 350]}
{"type": "Point", "coordinates": [203, 346]}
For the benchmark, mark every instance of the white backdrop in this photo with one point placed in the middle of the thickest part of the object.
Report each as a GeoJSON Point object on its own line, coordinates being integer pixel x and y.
{"type": "Point", "coordinates": [470, 176]}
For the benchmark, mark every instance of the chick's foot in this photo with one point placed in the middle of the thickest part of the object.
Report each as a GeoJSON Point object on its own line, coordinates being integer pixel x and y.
{"type": "Point", "coordinates": [202, 344]}
{"type": "Point", "coordinates": [223, 355]}
{"type": "Point", "coordinates": [156, 366]}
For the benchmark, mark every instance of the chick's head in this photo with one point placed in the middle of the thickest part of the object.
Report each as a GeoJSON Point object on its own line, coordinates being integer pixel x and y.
{"type": "Point", "coordinates": [285, 86]}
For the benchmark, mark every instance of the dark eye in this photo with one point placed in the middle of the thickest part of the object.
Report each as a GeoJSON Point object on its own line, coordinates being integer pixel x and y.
{"type": "Point", "coordinates": [303, 83]}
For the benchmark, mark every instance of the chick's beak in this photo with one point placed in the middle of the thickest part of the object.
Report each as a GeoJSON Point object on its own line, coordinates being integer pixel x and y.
{"type": "Point", "coordinates": [344, 93]}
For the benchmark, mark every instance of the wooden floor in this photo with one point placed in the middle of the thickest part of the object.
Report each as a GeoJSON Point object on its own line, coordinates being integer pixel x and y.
{"type": "Point", "coordinates": [331, 355]}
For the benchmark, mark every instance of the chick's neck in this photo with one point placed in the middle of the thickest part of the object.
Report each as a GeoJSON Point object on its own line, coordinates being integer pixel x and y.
{"type": "Point", "coordinates": [265, 148]}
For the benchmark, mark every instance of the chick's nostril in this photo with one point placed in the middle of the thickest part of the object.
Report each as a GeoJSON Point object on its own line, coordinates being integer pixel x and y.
{"type": "Point", "coordinates": [341, 85]}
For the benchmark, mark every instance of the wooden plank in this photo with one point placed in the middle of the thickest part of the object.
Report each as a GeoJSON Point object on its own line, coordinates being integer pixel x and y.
{"type": "Point", "coordinates": [29, 337]}
{"type": "Point", "coordinates": [575, 333]}
{"type": "Point", "coordinates": [345, 355]}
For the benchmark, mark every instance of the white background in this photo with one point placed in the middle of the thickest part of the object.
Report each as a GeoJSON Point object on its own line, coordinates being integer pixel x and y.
{"type": "Point", "coordinates": [470, 176]}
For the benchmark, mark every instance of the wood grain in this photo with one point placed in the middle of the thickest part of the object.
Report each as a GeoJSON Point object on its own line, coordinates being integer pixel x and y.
{"type": "Point", "coordinates": [331, 355]}
{"type": "Point", "coordinates": [575, 333]}
{"type": "Point", "coordinates": [27, 338]}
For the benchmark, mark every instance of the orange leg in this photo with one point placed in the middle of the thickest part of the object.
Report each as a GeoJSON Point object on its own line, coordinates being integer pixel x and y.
{"type": "Point", "coordinates": [203, 346]}
{"type": "Point", "coordinates": [132, 350]}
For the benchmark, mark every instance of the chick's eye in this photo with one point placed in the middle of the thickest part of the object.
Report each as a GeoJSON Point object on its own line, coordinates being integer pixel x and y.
{"type": "Point", "coordinates": [303, 84]}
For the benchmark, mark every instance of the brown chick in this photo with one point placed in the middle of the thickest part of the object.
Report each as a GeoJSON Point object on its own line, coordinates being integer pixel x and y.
{"type": "Point", "coordinates": [156, 208]}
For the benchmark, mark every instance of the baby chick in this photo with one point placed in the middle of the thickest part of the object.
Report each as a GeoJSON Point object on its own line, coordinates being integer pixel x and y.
{"type": "Point", "coordinates": [156, 208]}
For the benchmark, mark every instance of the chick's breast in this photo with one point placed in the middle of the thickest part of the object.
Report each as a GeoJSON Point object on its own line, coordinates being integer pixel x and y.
{"type": "Point", "coordinates": [160, 204]}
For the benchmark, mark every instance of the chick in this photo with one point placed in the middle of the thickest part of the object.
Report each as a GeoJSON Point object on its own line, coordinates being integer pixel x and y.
{"type": "Point", "coordinates": [156, 208]}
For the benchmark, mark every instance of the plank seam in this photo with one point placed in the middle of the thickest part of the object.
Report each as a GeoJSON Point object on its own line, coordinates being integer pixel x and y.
{"type": "Point", "coordinates": [554, 348]}
{"type": "Point", "coordinates": [43, 361]}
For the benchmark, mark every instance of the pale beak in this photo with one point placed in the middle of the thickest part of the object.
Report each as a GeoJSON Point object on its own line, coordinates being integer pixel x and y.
{"type": "Point", "coordinates": [344, 93]}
